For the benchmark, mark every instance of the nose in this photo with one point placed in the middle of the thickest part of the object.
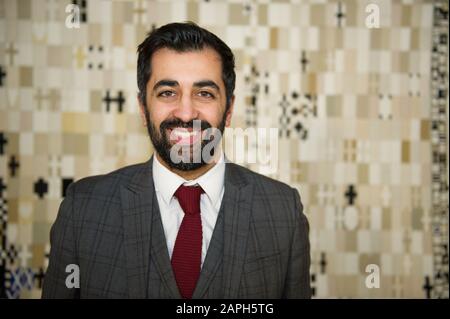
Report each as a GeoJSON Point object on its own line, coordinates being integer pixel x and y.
{"type": "Point", "coordinates": [186, 110]}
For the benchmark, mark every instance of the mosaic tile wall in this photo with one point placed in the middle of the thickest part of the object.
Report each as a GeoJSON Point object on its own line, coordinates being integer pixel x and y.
{"type": "Point", "coordinates": [362, 114]}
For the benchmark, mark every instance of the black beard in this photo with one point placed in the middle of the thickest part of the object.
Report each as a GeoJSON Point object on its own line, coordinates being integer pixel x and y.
{"type": "Point", "coordinates": [162, 145]}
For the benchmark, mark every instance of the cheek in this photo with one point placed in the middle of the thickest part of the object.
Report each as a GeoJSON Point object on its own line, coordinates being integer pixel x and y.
{"type": "Point", "coordinates": [213, 116]}
{"type": "Point", "coordinates": [158, 114]}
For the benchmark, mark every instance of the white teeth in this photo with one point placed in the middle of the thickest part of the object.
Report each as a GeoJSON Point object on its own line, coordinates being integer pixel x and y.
{"type": "Point", "coordinates": [183, 133]}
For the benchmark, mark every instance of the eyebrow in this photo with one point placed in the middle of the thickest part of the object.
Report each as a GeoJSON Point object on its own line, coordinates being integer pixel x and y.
{"type": "Point", "coordinates": [198, 84]}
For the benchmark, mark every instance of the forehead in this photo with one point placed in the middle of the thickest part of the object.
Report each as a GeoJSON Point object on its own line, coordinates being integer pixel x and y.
{"type": "Point", "coordinates": [186, 66]}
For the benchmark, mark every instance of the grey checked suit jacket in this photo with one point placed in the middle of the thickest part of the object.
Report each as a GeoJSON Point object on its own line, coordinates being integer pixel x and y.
{"type": "Point", "coordinates": [110, 226]}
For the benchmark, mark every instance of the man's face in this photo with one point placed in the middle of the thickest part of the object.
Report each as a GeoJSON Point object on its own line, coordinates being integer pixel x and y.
{"type": "Point", "coordinates": [184, 87]}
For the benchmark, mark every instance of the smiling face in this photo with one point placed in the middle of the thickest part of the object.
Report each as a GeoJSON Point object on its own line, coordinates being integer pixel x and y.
{"type": "Point", "coordinates": [183, 87]}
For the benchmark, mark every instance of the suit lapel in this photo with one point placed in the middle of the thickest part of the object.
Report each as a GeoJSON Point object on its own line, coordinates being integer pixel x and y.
{"type": "Point", "coordinates": [229, 242]}
{"type": "Point", "coordinates": [143, 234]}
{"type": "Point", "coordinates": [160, 254]}
{"type": "Point", "coordinates": [237, 211]}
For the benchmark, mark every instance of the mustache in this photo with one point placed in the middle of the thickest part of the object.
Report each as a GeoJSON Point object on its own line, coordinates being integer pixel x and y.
{"type": "Point", "coordinates": [173, 123]}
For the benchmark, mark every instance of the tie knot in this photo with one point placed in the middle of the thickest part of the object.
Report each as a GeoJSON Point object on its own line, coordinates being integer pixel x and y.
{"type": "Point", "coordinates": [189, 198]}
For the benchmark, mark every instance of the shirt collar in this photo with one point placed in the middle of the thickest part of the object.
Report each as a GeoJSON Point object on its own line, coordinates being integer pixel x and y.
{"type": "Point", "coordinates": [167, 182]}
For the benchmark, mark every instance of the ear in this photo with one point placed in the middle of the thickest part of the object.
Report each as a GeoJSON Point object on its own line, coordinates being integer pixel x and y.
{"type": "Point", "coordinates": [142, 111]}
{"type": "Point", "coordinates": [230, 112]}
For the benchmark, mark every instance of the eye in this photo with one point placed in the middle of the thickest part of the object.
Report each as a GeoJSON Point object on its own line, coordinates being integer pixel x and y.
{"type": "Point", "coordinates": [166, 94]}
{"type": "Point", "coordinates": [206, 94]}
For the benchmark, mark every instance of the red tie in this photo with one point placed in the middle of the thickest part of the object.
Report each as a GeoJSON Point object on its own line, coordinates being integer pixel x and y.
{"type": "Point", "coordinates": [187, 252]}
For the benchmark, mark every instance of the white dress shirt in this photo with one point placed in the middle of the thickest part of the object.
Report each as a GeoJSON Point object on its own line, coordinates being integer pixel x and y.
{"type": "Point", "coordinates": [167, 182]}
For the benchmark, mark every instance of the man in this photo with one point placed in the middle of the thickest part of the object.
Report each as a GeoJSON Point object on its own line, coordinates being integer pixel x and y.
{"type": "Point", "coordinates": [175, 227]}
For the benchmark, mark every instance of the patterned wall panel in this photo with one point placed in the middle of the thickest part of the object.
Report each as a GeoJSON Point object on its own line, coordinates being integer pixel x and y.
{"type": "Point", "coordinates": [362, 113]}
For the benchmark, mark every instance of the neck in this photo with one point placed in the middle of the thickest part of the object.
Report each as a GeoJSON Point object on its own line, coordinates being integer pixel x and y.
{"type": "Point", "coordinates": [192, 174]}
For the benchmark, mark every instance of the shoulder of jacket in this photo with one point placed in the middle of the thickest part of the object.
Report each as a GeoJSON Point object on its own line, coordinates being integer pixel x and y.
{"type": "Point", "coordinates": [108, 181]}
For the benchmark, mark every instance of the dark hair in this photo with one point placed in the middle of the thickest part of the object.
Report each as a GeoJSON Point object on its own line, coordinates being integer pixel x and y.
{"type": "Point", "coordinates": [183, 37]}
